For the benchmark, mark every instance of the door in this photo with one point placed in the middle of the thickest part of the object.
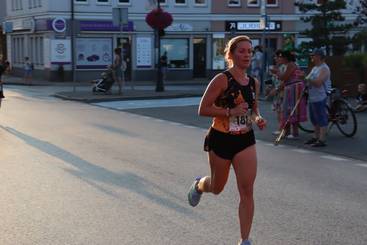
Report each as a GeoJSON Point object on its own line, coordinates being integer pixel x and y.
{"type": "Point", "coordinates": [125, 45]}
{"type": "Point", "coordinates": [199, 57]}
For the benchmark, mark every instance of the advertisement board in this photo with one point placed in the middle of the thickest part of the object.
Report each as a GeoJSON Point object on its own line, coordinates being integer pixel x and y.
{"type": "Point", "coordinates": [93, 53]}
{"type": "Point", "coordinates": [60, 51]}
{"type": "Point", "coordinates": [144, 51]}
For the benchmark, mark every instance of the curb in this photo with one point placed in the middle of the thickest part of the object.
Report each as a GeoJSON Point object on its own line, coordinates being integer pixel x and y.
{"type": "Point", "coordinates": [126, 98]}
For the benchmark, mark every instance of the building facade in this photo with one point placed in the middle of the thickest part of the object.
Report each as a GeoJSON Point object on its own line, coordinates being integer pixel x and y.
{"type": "Point", "coordinates": [43, 31]}
{"type": "Point", "coordinates": [3, 55]}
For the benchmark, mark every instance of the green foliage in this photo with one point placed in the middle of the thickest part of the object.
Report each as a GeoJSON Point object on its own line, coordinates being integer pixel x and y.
{"type": "Point", "coordinates": [362, 12]}
{"type": "Point", "coordinates": [327, 27]}
{"type": "Point", "coordinates": [356, 61]}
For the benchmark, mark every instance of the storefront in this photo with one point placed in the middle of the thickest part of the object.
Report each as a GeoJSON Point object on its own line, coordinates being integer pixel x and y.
{"type": "Point", "coordinates": [184, 44]}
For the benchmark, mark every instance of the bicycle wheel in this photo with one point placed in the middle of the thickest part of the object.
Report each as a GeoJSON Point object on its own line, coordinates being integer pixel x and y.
{"type": "Point", "coordinates": [345, 118]}
{"type": "Point", "coordinates": [306, 127]}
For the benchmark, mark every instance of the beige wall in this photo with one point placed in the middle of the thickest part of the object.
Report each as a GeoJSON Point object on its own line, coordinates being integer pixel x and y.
{"type": "Point", "coordinates": [221, 6]}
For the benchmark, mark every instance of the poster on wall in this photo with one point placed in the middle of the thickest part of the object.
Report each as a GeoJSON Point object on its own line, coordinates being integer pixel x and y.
{"type": "Point", "coordinates": [60, 51]}
{"type": "Point", "coordinates": [143, 52]}
{"type": "Point", "coordinates": [93, 53]}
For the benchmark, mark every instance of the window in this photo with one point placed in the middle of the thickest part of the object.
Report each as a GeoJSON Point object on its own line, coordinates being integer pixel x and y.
{"type": "Point", "coordinates": [218, 53]}
{"type": "Point", "coordinates": [16, 5]}
{"type": "Point", "coordinates": [124, 1]}
{"type": "Point", "coordinates": [200, 2]}
{"type": "Point", "coordinates": [177, 52]}
{"type": "Point", "coordinates": [34, 3]}
{"type": "Point", "coordinates": [103, 1]}
{"type": "Point", "coordinates": [257, 3]}
{"type": "Point", "coordinates": [81, 1]}
{"type": "Point", "coordinates": [272, 2]}
{"type": "Point", "coordinates": [163, 2]}
{"type": "Point", "coordinates": [35, 50]}
{"type": "Point", "coordinates": [180, 2]}
{"type": "Point", "coordinates": [234, 3]}
{"type": "Point", "coordinates": [18, 50]}
{"type": "Point", "coordinates": [253, 3]}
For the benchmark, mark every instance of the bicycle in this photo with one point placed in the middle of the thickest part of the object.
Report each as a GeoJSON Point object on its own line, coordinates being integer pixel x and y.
{"type": "Point", "coordinates": [340, 113]}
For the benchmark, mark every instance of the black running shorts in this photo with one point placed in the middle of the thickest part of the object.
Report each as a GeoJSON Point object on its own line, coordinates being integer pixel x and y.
{"type": "Point", "coordinates": [226, 145]}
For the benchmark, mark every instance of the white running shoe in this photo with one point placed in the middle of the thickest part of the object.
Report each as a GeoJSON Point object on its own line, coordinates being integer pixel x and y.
{"type": "Point", "coordinates": [292, 137]}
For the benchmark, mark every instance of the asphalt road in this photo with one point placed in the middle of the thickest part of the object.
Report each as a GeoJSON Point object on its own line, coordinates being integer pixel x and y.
{"type": "Point", "coordinates": [73, 173]}
{"type": "Point", "coordinates": [355, 147]}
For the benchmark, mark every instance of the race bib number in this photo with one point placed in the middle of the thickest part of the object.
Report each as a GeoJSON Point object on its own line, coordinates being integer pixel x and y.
{"type": "Point", "coordinates": [240, 123]}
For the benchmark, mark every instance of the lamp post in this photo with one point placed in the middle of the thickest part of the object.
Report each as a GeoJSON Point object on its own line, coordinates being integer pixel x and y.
{"type": "Point", "coordinates": [159, 84]}
{"type": "Point", "coordinates": [158, 20]}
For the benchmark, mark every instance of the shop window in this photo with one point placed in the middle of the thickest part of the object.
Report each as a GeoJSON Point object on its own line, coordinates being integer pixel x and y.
{"type": "Point", "coordinates": [218, 54]}
{"type": "Point", "coordinates": [234, 3]}
{"type": "Point", "coordinates": [177, 52]}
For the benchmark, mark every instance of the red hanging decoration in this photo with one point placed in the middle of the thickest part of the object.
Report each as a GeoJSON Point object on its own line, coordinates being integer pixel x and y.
{"type": "Point", "coordinates": [158, 19]}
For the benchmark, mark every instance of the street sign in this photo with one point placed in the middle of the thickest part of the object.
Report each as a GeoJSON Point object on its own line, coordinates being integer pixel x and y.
{"type": "Point", "coordinates": [120, 16]}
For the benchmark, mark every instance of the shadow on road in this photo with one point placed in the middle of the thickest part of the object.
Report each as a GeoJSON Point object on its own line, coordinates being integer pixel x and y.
{"type": "Point", "coordinates": [93, 174]}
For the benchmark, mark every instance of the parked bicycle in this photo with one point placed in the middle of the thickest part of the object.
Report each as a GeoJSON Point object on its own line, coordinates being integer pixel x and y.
{"type": "Point", "coordinates": [340, 113]}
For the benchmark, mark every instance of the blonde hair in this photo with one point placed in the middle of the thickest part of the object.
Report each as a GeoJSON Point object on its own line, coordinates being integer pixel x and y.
{"type": "Point", "coordinates": [232, 45]}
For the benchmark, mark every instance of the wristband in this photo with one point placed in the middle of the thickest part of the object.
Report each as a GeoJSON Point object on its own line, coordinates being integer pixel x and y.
{"type": "Point", "coordinates": [228, 112]}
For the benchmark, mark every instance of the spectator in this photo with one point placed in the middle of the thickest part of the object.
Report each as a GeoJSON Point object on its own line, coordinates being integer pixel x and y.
{"type": "Point", "coordinates": [164, 64]}
{"type": "Point", "coordinates": [28, 70]}
{"type": "Point", "coordinates": [278, 88]}
{"type": "Point", "coordinates": [293, 90]}
{"type": "Point", "coordinates": [318, 81]}
{"type": "Point", "coordinates": [362, 97]}
{"type": "Point", "coordinates": [257, 62]}
{"type": "Point", "coordinates": [118, 69]}
{"type": "Point", "coordinates": [3, 68]}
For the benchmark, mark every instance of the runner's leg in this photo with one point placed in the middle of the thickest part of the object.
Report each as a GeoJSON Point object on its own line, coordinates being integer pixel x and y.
{"type": "Point", "coordinates": [245, 167]}
{"type": "Point", "coordinates": [219, 169]}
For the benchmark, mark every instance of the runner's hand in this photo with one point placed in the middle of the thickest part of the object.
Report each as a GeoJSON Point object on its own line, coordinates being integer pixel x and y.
{"type": "Point", "coordinates": [260, 122]}
{"type": "Point", "coordinates": [240, 109]}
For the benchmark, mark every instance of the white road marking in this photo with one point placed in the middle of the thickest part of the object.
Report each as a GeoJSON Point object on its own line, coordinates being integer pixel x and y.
{"type": "Point", "coordinates": [302, 151]}
{"type": "Point", "coordinates": [334, 158]}
{"type": "Point", "coordinates": [362, 165]}
{"type": "Point", "coordinates": [155, 103]}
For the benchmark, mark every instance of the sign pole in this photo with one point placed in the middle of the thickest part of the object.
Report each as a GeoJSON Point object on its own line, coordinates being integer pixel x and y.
{"type": "Point", "coordinates": [264, 24]}
{"type": "Point", "coordinates": [72, 37]}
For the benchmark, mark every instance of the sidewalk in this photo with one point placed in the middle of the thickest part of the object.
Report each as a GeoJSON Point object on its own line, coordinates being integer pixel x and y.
{"type": "Point", "coordinates": [82, 91]}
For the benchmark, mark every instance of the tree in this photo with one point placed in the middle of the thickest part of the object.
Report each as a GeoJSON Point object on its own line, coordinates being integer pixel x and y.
{"type": "Point", "coordinates": [357, 61]}
{"type": "Point", "coordinates": [360, 38]}
{"type": "Point", "coordinates": [362, 12]}
{"type": "Point", "coordinates": [327, 28]}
